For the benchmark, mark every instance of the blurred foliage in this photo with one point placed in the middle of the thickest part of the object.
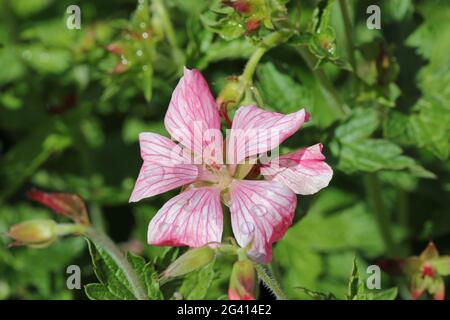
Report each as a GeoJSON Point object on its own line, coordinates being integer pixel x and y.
{"type": "Point", "coordinates": [72, 103]}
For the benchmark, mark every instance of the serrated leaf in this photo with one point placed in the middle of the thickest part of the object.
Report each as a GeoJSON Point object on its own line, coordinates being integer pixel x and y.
{"type": "Point", "coordinates": [109, 274]}
{"type": "Point", "coordinates": [430, 127]}
{"type": "Point", "coordinates": [280, 91]}
{"type": "Point", "coordinates": [316, 295]}
{"type": "Point", "coordinates": [97, 291]}
{"type": "Point", "coordinates": [354, 281]}
{"type": "Point", "coordinates": [151, 282]}
{"type": "Point", "coordinates": [361, 125]}
{"type": "Point", "coordinates": [147, 275]}
{"type": "Point", "coordinates": [371, 155]}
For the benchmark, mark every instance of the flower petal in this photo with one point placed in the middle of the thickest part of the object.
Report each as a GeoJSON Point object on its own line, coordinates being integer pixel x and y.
{"type": "Point", "coordinates": [165, 167]}
{"type": "Point", "coordinates": [255, 131]}
{"type": "Point", "coordinates": [304, 171]}
{"type": "Point", "coordinates": [261, 212]}
{"type": "Point", "coordinates": [193, 218]}
{"type": "Point", "coordinates": [193, 119]}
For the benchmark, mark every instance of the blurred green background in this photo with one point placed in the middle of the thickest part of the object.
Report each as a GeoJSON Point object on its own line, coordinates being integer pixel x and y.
{"type": "Point", "coordinates": [72, 103]}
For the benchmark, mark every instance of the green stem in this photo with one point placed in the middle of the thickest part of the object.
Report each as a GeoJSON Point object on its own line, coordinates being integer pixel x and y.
{"type": "Point", "coordinates": [117, 255]}
{"type": "Point", "coordinates": [337, 106]}
{"type": "Point", "coordinates": [63, 229]}
{"type": "Point", "coordinates": [373, 189]}
{"type": "Point", "coordinates": [269, 42]}
{"type": "Point", "coordinates": [96, 214]}
{"type": "Point", "coordinates": [348, 33]}
{"type": "Point", "coordinates": [270, 282]}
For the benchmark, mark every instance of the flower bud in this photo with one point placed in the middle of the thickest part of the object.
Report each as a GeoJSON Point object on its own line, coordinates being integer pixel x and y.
{"type": "Point", "coordinates": [33, 232]}
{"type": "Point", "coordinates": [252, 25]}
{"type": "Point", "coordinates": [231, 93]}
{"type": "Point", "coordinates": [192, 260]}
{"type": "Point", "coordinates": [242, 281]}
{"type": "Point", "coordinates": [241, 6]}
{"type": "Point", "coordinates": [426, 272]}
{"type": "Point", "coordinates": [115, 48]}
{"type": "Point", "coordinates": [66, 204]}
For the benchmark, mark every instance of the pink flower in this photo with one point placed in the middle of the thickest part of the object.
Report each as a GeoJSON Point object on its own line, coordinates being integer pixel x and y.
{"type": "Point", "coordinates": [261, 210]}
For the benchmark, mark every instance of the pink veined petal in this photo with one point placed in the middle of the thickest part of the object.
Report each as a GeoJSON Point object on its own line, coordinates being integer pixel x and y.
{"type": "Point", "coordinates": [165, 167]}
{"type": "Point", "coordinates": [256, 131]}
{"type": "Point", "coordinates": [193, 218]}
{"type": "Point", "coordinates": [261, 212]}
{"type": "Point", "coordinates": [192, 118]}
{"type": "Point", "coordinates": [304, 171]}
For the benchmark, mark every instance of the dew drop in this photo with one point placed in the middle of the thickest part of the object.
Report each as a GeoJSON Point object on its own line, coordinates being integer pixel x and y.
{"type": "Point", "coordinates": [259, 210]}
{"type": "Point", "coordinates": [247, 228]}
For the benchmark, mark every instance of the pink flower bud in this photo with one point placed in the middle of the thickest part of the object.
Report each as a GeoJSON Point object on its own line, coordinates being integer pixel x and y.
{"type": "Point", "coordinates": [242, 281]}
{"type": "Point", "coordinates": [115, 48]}
{"type": "Point", "coordinates": [252, 25]}
{"type": "Point", "coordinates": [241, 6]}
{"type": "Point", "coordinates": [66, 204]}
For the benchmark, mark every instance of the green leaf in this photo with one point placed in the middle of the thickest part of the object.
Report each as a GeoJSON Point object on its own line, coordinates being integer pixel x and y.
{"type": "Point", "coordinates": [96, 291]}
{"type": "Point", "coordinates": [195, 286]}
{"type": "Point", "coordinates": [47, 60]}
{"type": "Point", "coordinates": [316, 295]}
{"type": "Point", "coordinates": [430, 127]}
{"type": "Point", "coordinates": [281, 92]}
{"type": "Point", "coordinates": [371, 155]}
{"type": "Point", "coordinates": [26, 8]}
{"type": "Point", "coordinates": [396, 128]}
{"type": "Point", "coordinates": [430, 124]}
{"type": "Point", "coordinates": [361, 125]}
{"type": "Point", "coordinates": [354, 282]}
{"type": "Point", "coordinates": [109, 274]}
{"type": "Point", "coordinates": [113, 282]}
{"type": "Point", "coordinates": [147, 275]}
{"type": "Point", "coordinates": [357, 289]}
{"type": "Point", "coordinates": [10, 57]}
{"type": "Point", "coordinates": [336, 223]}
{"type": "Point", "coordinates": [152, 282]}
{"type": "Point", "coordinates": [396, 10]}
{"type": "Point", "coordinates": [145, 79]}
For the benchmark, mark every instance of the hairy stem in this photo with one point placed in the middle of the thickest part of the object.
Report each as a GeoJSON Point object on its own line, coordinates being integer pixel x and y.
{"type": "Point", "coordinates": [119, 257]}
{"type": "Point", "coordinates": [270, 282]}
{"type": "Point", "coordinates": [373, 189]}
